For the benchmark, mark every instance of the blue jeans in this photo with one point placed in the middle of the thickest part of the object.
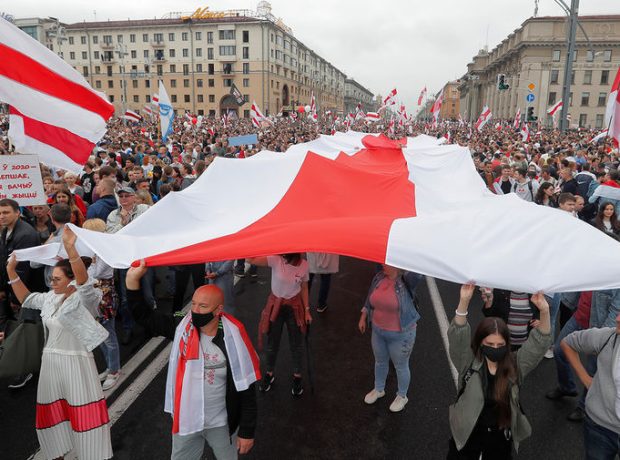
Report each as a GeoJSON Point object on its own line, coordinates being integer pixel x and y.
{"type": "Point", "coordinates": [109, 347]}
{"type": "Point", "coordinates": [600, 442]}
{"type": "Point", "coordinates": [554, 309]}
{"type": "Point", "coordinates": [566, 378]}
{"type": "Point", "coordinates": [396, 346]}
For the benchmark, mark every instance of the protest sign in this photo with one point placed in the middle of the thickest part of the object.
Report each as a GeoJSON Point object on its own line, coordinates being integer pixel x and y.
{"type": "Point", "coordinates": [250, 139]}
{"type": "Point", "coordinates": [20, 179]}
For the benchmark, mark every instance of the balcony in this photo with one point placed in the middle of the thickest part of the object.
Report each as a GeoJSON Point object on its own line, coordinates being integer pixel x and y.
{"type": "Point", "coordinates": [158, 44]}
{"type": "Point", "coordinates": [108, 59]}
{"type": "Point", "coordinates": [159, 59]}
{"type": "Point", "coordinates": [106, 45]}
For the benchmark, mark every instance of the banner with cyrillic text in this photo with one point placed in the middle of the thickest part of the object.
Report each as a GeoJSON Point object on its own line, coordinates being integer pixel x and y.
{"type": "Point", "coordinates": [20, 179]}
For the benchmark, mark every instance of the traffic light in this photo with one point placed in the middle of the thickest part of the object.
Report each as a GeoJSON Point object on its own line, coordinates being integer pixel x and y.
{"type": "Point", "coordinates": [501, 82]}
{"type": "Point", "coordinates": [530, 114]}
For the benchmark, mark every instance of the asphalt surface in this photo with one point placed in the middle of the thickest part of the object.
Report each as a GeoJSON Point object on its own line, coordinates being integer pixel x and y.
{"type": "Point", "coordinates": [333, 422]}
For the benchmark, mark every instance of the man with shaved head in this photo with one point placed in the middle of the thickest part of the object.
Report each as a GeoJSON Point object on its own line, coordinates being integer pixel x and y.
{"type": "Point", "coordinates": [210, 387]}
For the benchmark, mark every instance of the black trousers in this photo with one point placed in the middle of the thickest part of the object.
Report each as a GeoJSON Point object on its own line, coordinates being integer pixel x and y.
{"type": "Point", "coordinates": [182, 275]}
{"type": "Point", "coordinates": [493, 445]}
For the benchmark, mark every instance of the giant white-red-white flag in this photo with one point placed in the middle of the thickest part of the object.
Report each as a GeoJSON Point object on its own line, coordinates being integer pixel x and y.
{"type": "Point", "coordinates": [484, 118]}
{"type": "Point", "coordinates": [612, 112]}
{"type": "Point", "coordinates": [554, 108]}
{"type": "Point", "coordinates": [421, 96]}
{"type": "Point", "coordinates": [386, 201]}
{"type": "Point", "coordinates": [53, 111]}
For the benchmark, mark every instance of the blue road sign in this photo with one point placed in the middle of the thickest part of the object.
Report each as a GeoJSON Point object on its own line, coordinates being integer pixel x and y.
{"type": "Point", "coordinates": [530, 98]}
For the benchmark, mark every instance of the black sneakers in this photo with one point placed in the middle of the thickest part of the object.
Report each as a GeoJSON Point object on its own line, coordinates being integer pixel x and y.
{"type": "Point", "coordinates": [265, 384]}
{"type": "Point", "coordinates": [321, 309]}
{"type": "Point", "coordinates": [557, 394]}
{"type": "Point", "coordinates": [298, 388]}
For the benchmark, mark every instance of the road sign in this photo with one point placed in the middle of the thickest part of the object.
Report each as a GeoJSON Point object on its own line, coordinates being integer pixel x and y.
{"type": "Point", "coordinates": [530, 98]}
{"type": "Point", "coordinates": [531, 86]}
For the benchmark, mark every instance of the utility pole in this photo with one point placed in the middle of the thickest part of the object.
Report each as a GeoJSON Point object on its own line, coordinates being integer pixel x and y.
{"type": "Point", "coordinates": [568, 68]}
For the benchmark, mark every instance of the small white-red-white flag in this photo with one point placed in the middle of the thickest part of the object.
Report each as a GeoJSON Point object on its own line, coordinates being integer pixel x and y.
{"type": "Point", "coordinates": [483, 119]}
{"type": "Point", "coordinates": [461, 121]}
{"type": "Point", "coordinates": [525, 133]}
{"type": "Point", "coordinates": [612, 112]}
{"type": "Point", "coordinates": [256, 115]}
{"type": "Point", "coordinates": [447, 137]}
{"type": "Point", "coordinates": [155, 99]}
{"type": "Point", "coordinates": [313, 115]}
{"type": "Point", "coordinates": [422, 94]}
{"type": "Point", "coordinates": [130, 115]}
{"type": "Point", "coordinates": [517, 121]}
{"type": "Point", "coordinates": [147, 109]}
{"type": "Point", "coordinates": [554, 108]}
{"type": "Point", "coordinates": [372, 116]}
{"type": "Point", "coordinates": [389, 99]}
{"type": "Point", "coordinates": [436, 108]}
{"type": "Point", "coordinates": [599, 136]}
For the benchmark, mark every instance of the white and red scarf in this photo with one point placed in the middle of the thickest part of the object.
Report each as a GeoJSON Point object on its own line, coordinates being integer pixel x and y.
{"type": "Point", "coordinates": [185, 382]}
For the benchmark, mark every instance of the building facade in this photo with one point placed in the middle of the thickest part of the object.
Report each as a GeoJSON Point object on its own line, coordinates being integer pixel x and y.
{"type": "Point", "coordinates": [199, 57]}
{"type": "Point", "coordinates": [354, 93]}
{"type": "Point", "coordinates": [451, 101]}
{"type": "Point", "coordinates": [533, 58]}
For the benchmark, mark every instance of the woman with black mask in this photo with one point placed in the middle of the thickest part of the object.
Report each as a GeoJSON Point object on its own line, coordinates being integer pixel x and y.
{"type": "Point", "coordinates": [486, 419]}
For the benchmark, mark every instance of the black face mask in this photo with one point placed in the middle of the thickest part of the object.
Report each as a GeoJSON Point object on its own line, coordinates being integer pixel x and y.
{"type": "Point", "coordinates": [494, 354]}
{"type": "Point", "coordinates": [201, 319]}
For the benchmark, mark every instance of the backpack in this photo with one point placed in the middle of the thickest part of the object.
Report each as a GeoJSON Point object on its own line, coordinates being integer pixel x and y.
{"type": "Point", "coordinates": [529, 185]}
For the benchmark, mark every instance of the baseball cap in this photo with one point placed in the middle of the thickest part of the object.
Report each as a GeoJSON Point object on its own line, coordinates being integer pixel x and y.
{"type": "Point", "coordinates": [127, 190]}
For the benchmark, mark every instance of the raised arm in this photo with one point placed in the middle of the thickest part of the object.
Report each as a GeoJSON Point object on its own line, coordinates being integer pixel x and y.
{"type": "Point", "coordinates": [19, 288]}
{"type": "Point", "coordinates": [77, 264]}
{"type": "Point", "coordinates": [467, 291]}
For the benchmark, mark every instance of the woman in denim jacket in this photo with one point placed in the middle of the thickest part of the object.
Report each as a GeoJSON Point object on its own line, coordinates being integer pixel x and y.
{"type": "Point", "coordinates": [390, 309]}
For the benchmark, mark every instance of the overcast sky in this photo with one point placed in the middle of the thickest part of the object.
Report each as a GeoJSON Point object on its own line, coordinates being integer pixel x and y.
{"type": "Point", "coordinates": [407, 44]}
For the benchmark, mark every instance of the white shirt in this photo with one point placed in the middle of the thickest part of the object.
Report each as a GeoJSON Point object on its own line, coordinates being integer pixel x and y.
{"type": "Point", "coordinates": [214, 376]}
{"type": "Point", "coordinates": [286, 279]}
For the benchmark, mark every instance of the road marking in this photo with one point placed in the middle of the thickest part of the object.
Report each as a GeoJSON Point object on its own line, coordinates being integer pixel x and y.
{"type": "Point", "coordinates": [442, 320]}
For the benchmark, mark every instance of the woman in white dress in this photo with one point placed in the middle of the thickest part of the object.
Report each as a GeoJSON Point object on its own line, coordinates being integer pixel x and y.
{"type": "Point", "coordinates": [71, 411]}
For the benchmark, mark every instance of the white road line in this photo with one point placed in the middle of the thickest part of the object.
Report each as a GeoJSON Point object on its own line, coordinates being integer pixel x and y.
{"type": "Point", "coordinates": [442, 320]}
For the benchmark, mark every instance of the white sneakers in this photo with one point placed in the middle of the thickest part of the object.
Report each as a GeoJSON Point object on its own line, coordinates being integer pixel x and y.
{"type": "Point", "coordinates": [549, 353]}
{"type": "Point", "coordinates": [399, 403]}
{"type": "Point", "coordinates": [103, 375]}
{"type": "Point", "coordinates": [372, 397]}
{"type": "Point", "coordinates": [110, 381]}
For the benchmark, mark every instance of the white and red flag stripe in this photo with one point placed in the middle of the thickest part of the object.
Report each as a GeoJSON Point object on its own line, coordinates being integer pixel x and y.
{"type": "Point", "coordinates": [421, 96]}
{"type": "Point", "coordinates": [132, 116]}
{"type": "Point", "coordinates": [517, 121]}
{"type": "Point", "coordinates": [155, 99]}
{"type": "Point", "coordinates": [525, 133]}
{"type": "Point", "coordinates": [554, 108]}
{"type": "Point", "coordinates": [436, 108]}
{"type": "Point", "coordinates": [484, 118]}
{"type": "Point", "coordinates": [256, 115]}
{"type": "Point", "coordinates": [390, 98]}
{"type": "Point", "coordinates": [372, 116]}
{"type": "Point", "coordinates": [54, 112]}
{"type": "Point", "coordinates": [408, 225]}
{"type": "Point", "coordinates": [612, 112]}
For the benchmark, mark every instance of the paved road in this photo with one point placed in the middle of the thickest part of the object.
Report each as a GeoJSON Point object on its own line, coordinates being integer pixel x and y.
{"type": "Point", "coordinates": [333, 422]}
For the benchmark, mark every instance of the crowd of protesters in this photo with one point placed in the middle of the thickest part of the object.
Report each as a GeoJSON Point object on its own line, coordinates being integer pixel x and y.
{"type": "Point", "coordinates": [131, 170]}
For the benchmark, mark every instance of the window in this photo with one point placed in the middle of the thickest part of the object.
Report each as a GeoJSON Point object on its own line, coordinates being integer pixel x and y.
{"type": "Point", "coordinates": [583, 119]}
{"type": "Point", "coordinates": [147, 84]}
{"type": "Point", "coordinates": [211, 69]}
{"type": "Point", "coordinates": [602, 99]}
{"type": "Point", "coordinates": [585, 98]}
{"type": "Point", "coordinates": [173, 83]}
{"type": "Point", "coordinates": [134, 54]}
{"type": "Point", "coordinates": [95, 39]}
{"type": "Point", "coordinates": [555, 75]}
{"type": "Point", "coordinates": [607, 55]}
{"type": "Point", "coordinates": [132, 38]}
{"type": "Point", "coordinates": [552, 96]}
{"type": "Point", "coordinates": [570, 99]}
{"type": "Point", "coordinates": [185, 52]}
{"type": "Point", "coordinates": [228, 82]}
{"type": "Point", "coordinates": [184, 36]}
{"type": "Point", "coordinates": [98, 84]}
{"type": "Point", "coordinates": [85, 71]}
{"type": "Point", "coordinates": [227, 35]}
{"type": "Point", "coordinates": [185, 69]}
{"type": "Point", "coordinates": [160, 70]}
{"type": "Point", "coordinates": [572, 77]}
{"type": "Point", "coordinates": [158, 38]}
{"type": "Point", "coordinates": [211, 83]}
{"type": "Point", "coordinates": [246, 97]}
{"type": "Point", "coordinates": [83, 40]}
{"type": "Point", "coordinates": [145, 38]}
{"type": "Point", "coordinates": [199, 83]}
{"type": "Point", "coordinates": [72, 55]}
{"type": "Point", "coordinates": [209, 53]}
{"type": "Point", "coordinates": [278, 55]}
{"type": "Point", "coordinates": [173, 98]}
{"type": "Point", "coordinates": [109, 70]}
{"type": "Point", "coordinates": [110, 83]}
{"type": "Point", "coordinates": [198, 35]}
{"type": "Point", "coordinates": [210, 37]}
{"type": "Point", "coordinates": [186, 98]}
{"type": "Point", "coordinates": [279, 40]}
{"type": "Point", "coordinates": [211, 113]}
{"type": "Point", "coordinates": [200, 98]}
{"type": "Point", "coordinates": [186, 83]}
{"type": "Point", "coordinates": [246, 68]}
{"type": "Point", "coordinates": [136, 98]}
{"type": "Point", "coordinates": [173, 68]}
{"type": "Point", "coordinates": [170, 37]}
{"type": "Point", "coordinates": [246, 52]}
{"type": "Point", "coordinates": [107, 39]}
{"type": "Point", "coordinates": [246, 36]}
{"type": "Point", "coordinates": [172, 52]}
{"type": "Point", "coordinates": [198, 67]}
{"type": "Point", "coordinates": [227, 50]}
{"type": "Point", "coordinates": [246, 82]}
{"type": "Point", "coordinates": [227, 69]}
{"type": "Point", "coordinates": [271, 38]}
{"type": "Point", "coordinates": [148, 96]}
{"type": "Point", "coordinates": [198, 52]}
{"type": "Point", "coordinates": [599, 121]}
{"type": "Point", "coordinates": [574, 55]}
{"type": "Point", "coordinates": [97, 69]}
{"type": "Point", "coordinates": [146, 54]}
{"type": "Point", "coordinates": [212, 98]}
{"type": "Point", "coordinates": [111, 97]}
{"type": "Point", "coordinates": [200, 111]}
{"type": "Point", "coordinates": [589, 56]}
{"type": "Point", "coordinates": [587, 77]}
{"type": "Point", "coordinates": [119, 38]}
{"type": "Point", "coordinates": [71, 40]}
{"type": "Point", "coordinates": [246, 114]}
{"type": "Point", "coordinates": [555, 57]}
{"type": "Point", "coordinates": [605, 77]}
{"type": "Point", "coordinates": [134, 84]}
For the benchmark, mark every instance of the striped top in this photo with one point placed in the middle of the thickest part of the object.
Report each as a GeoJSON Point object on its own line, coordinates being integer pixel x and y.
{"type": "Point", "coordinates": [519, 317]}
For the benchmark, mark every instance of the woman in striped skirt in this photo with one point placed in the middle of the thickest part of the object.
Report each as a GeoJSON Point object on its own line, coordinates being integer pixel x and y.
{"type": "Point", "coordinates": [71, 411]}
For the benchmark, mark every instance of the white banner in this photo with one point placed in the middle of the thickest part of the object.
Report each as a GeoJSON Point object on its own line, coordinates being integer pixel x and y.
{"type": "Point", "coordinates": [20, 179]}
